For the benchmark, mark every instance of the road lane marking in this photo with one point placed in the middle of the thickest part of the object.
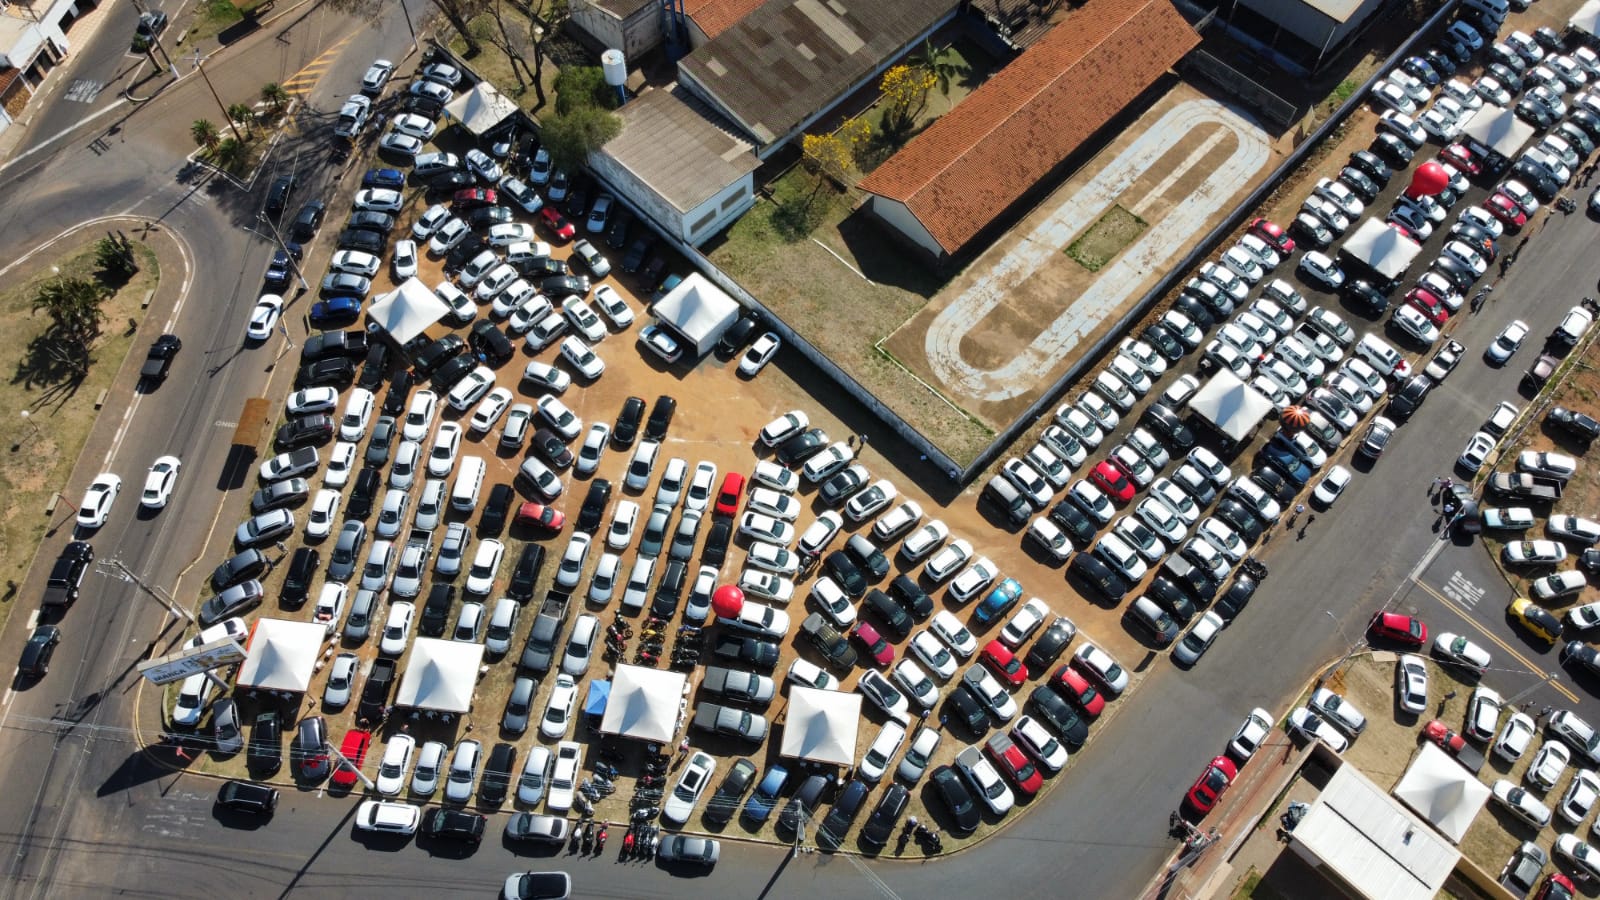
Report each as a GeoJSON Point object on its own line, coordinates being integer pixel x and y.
{"type": "Point", "coordinates": [1461, 589]}
{"type": "Point", "coordinates": [1535, 669]}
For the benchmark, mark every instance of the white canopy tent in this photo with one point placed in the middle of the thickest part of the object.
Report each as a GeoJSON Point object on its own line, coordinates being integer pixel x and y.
{"type": "Point", "coordinates": [440, 675]}
{"type": "Point", "coordinates": [1440, 790]}
{"type": "Point", "coordinates": [698, 311]}
{"type": "Point", "coordinates": [1381, 248]}
{"type": "Point", "coordinates": [1586, 19]}
{"type": "Point", "coordinates": [408, 310]}
{"type": "Point", "coordinates": [820, 726]}
{"type": "Point", "coordinates": [645, 704]}
{"type": "Point", "coordinates": [481, 108]}
{"type": "Point", "coordinates": [1230, 406]}
{"type": "Point", "coordinates": [282, 655]}
{"type": "Point", "coordinates": [1496, 130]}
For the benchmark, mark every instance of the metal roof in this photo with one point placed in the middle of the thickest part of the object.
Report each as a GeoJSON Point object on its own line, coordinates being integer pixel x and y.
{"type": "Point", "coordinates": [669, 142]}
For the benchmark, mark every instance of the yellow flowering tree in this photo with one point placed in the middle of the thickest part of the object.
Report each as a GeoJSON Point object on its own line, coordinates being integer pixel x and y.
{"type": "Point", "coordinates": [905, 93]}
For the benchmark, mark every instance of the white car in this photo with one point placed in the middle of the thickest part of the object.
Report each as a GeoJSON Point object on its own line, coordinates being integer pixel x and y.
{"type": "Point", "coordinates": [1310, 726]}
{"type": "Point", "coordinates": [1099, 665]}
{"type": "Point", "coordinates": [612, 306]}
{"type": "Point", "coordinates": [97, 500]}
{"type": "Point", "coordinates": [1024, 622]}
{"type": "Point", "coordinates": [1410, 321]}
{"type": "Point", "coordinates": [833, 601]}
{"type": "Point", "coordinates": [395, 763]}
{"type": "Point", "coordinates": [404, 260]}
{"type": "Point", "coordinates": [1332, 486]}
{"type": "Point", "coordinates": [1477, 451]}
{"type": "Point", "coordinates": [918, 756]}
{"type": "Point", "coordinates": [160, 481]}
{"type": "Point", "coordinates": [387, 817]}
{"type": "Point", "coordinates": [1532, 553]}
{"type": "Point", "coordinates": [564, 777]}
{"type": "Point", "coordinates": [1320, 268]}
{"type": "Point", "coordinates": [1411, 683]}
{"type": "Point", "coordinates": [985, 781]}
{"type": "Point", "coordinates": [771, 503]}
{"type": "Point", "coordinates": [557, 716]}
{"type": "Point", "coordinates": [1515, 737]}
{"type": "Point", "coordinates": [463, 773]}
{"type": "Point", "coordinates": [311, 400]}
{"type": "Point", "coordinates": [397, 629]}
{"type": "Point", "coordinates": [485, 566]}
{"type": "Point", "coordinates": [924, 540]}
{"type": "Point", "coordinates": [324, 513]}
{"type": "Point", "coordinates": [1520, 803]}
{"type": "Point", "coordinates": [419, 416]}
{"type": "Point", "coordinates": [582, 357]}
{"type": "Point", "coordinates": [1548, 765]}
{"type": "Point", "coordinates": [1575, 528]}
{"type": "Point", "coordinates": [430, 763]}
{"type": "Point", "coordinates": [933, 654]}
{"type": "Point", "coordinates": [1507, 341]}
{"type": "Point", "coordinates": [875, 762]}
{"type": "Point", "coordinates": [697, 773]}
{"type": "Point", "coordinates": [827, 461]}
{"type": "Point", "coordinates": [535, 775]}
{"type": "Point", "coordinates": [949, 629]}
{"type": "Point", "coordinates": [784, 427]}
{"type": "Point", "coordinates": [759, 354]}
{"type": "Point", "coordinates": [1580, 796]}
{"type": "Point", "coordinates": [193, 696]}
{"type": "Point", "coordinates": [341, 460]}
{"type": "Point", "coordinates": [1257, 725]}
{"type": "Point", "coordinates": [264, 317]}
{"type": "Point", "coordinates": [1454, 648]}
{"type": "Point", "coordinates": [974, 579]}
{"type": "Point", "coordinates": [580, 645]}
{"type": "Point", "coordinates": [565, 422]}
{"type": "Point", "coordinates": [773, 558]}
{"type": "Point", "coordinates": [572, 559]}
{"type": "Point", "coordinates": [916, 683]}
{"type": "Point", "coordinates": [1338, 710]}
{"type": "Point", "coordinates": [947, 561]}
{"type": "Point", "coordinates": [593, 449]}
{"type": "Point", "coordinates": [766, 584]}
{"type": "Point", "coordinates": [446, 445]}
{"type": "Point", "coordinates": [1483, 714]}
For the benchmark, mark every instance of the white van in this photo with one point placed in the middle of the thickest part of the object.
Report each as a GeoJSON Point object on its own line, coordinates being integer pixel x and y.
{"type": "Point", "coordinates": [469, 480]}
{"type": "Point", "coordinates": [1383, 356]}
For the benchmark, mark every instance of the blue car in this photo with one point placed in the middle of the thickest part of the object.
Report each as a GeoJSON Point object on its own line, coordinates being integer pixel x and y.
{"type": "Point", "coordinates": [383, 178]}
{"type": "Point", "coordinates": [760, 804]}
{"type": "Point", "coordinates": [1282, 455]}
{"type": "Point", "coordinates": [1002, 598]}
{"type": "Point", "coordinates": [335, 312]}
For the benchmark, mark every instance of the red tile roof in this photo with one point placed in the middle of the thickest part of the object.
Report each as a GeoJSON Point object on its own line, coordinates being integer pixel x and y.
{"type": "Point", "coordinates": [975, 161]}
{"type": "Point", "coordinates": [716, 16]}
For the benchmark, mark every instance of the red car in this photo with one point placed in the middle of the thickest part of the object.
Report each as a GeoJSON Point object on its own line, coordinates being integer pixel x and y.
{"type": "Point", "coordinates": [1556, 887]}
{"type": "Point", "coordinates": [540, 516]}
{"type": "Point", "coordinates": [1208, 788]}
{"type": "Point", "coordinates": [1506, 210]}
{"type": "Point", "coordinates": [1110, 477]}
{"type": "Point", "coordinates": [1270, 232]}
{"type": "Point", "coordinates": [353, 749]}
{"type": "Point", "coordinates": [1429, 305]}
{"type": "Point", "coordinates": [1077, 688]}
{"type": "Point", "coordinates": [1010, 759]}
{"type": "Point", "coordinates": [473, 197]}
{"type": "Point", "coordinates": [557, 223]}
{"type": "Point", "coordinates": [1005, 664]}
{"type": "Point", "coordinates": [1403, 629]}
{"type": "Point", "coordinates": [728, 495]}
{"type": "Point", "coordinates": [877, 647]}
{"type": "Point", "coordinates": [1441, 734]}
{"type": "Point", "coordinates": [1460, 157]}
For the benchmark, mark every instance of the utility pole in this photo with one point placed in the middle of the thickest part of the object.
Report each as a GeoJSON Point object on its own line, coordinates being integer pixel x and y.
{"type": "Point", "coordinates": [293, 261]}
{"type": "Point", "coordinates": [334, 752]}
{"type": "Point", "coordinates": [415, 47]}
{"type": "Point", "coordinates": [119, 569]}
{"type": "Point", "coordinates": [1514, 699]}
{"type": "Point", "coordinates": [199, 65]}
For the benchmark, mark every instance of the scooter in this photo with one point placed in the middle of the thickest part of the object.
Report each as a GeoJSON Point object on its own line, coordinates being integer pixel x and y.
{"type": "Point", "coordinates": [588, 837]}
{"type": "Point", "coordinates": [577, 836]}
{"type": "Point", "coordinates": [628, 841]}
{"type": "Point", "coordinates": [600, 839]}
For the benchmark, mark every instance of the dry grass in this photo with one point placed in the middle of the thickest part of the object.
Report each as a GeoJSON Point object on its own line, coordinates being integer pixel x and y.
{"type": "Point", "coordinates": [1105, 239]}
{"type": "Point", "coordinates": [41, 451]}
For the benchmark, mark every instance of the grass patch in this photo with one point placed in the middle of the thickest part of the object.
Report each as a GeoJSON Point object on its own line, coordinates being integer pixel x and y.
{"type": "Point", "coordinates": [494, 67]}
{"type": "Point", "coordinates": [41, 451]}
{"type": "Point", "coordinates": [1247, 887]}
{"type": "Point", "coordinates": [212, 16]}
{"type": "Point", "coordinates": [1345, 90]}
{"type": "Point", "coordinates": [1106, 238]}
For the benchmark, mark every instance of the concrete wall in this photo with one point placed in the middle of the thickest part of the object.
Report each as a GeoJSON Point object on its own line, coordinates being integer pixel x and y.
{"type": "Point", "coordinates": [710, 217]}
{"type": "Point", "coordinates": [906, 226]}
{"type": "Point", "coordinates": [639, 195]}
{"type": "Point", "coordinates": [636, 35]}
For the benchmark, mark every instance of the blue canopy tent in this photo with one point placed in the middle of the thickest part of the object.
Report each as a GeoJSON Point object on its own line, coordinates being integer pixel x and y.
{"type": "Point", "coordinates": [594, 705]}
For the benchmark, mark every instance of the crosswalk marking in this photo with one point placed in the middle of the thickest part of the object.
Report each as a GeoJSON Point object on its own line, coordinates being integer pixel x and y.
{"type": "Point", "coordinates": [1461, 589]}
{"type": "Point", "coordinates": [84, 90]}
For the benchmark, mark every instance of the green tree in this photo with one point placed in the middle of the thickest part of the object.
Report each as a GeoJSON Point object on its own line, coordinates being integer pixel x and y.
{"type": "Point", "coordinates": [115, 259]}
{"type": "Point", "coordinates": [579, 87]}
{"type": "Point", "coordinates": [940, 63]}
{"type": "Point", "coordinates": [571, 137]}
{"type": "Point", "coordinates": [243, 114]}
{"type": "Point", "coordinates": [512, 33]}
{"type": "Point", "coordinates": [274, 96]}
{"type": "Point", "coordinates": [73, 305]}
{"type": "Point", "coordinates": [230, 153]}
{"type": "Point", "coordinates": [204, 134]}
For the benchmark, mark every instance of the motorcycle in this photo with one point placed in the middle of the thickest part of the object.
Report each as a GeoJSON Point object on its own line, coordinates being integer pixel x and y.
{"type": "Point", "coordinates": [600, 839]}
{"type": "Point", "coordinates": [577, 836]}
{"type": "Point", "coordinates": [645, 813]}
{"type": "Point", "coordinates": [628, 840]}
{"type": "Point", "coordinates": [652, 780]}
{"type": "Point", "coordinates": [588, 837]}
{"type": "Point", "coordinates": [585, 807]}
{"type": "Point", "coordinates": [605, 769]}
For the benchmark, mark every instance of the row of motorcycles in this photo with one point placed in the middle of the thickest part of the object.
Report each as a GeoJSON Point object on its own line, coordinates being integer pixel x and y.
{"type": "Point", "coordinates": [643, 836]}
{"type": "Point", "coordinates": [686, 647]}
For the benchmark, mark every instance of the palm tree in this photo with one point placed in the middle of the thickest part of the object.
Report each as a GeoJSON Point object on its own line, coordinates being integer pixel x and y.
{"type": "Point", "coordinates": [204, 134]}
{"type": "Point", "coordinates": [244, 114]}
{"type": "Point", "coordinates": [73, 304]}
{"type": "Point", "coordinates": [229, 153]}
{"type": "Point", "coordinates": [940, 63]}
{"type": "Point", "coordinates": [275, 96]}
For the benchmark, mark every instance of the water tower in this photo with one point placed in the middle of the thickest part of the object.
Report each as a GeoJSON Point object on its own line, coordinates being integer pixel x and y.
{"type": "Point", "coordinates": [615, 67]}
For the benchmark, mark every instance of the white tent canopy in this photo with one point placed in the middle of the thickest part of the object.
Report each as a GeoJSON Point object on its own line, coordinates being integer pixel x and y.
{"type": "Point", "coordinates": [821, 725]}
{"type": "Point", "coordinates": [1440, 790]}
{"type": "Point", "coordinates": [481, 108]}
{"type": "Point", "coordinates": [440, 675]}
{"type": "Point", "coordinates": [282, 655]}
{"type": "Point", "coordinates": [645, 703]}
{"type": "Point", "coordinates": [1231, 406]}
{"type": "Point", "coordinates": [1382, 248]}
{"type": "Point", "coordinates": [1587, 18]}
{"type": "Point", "coordinates": [408, 310]}
{"type": "Point", "coordinates": [697, 310]}
{"type": "Point", "coordinates": [1498, 130]}
{"type": "Point", "coordinates": [1372, 843]}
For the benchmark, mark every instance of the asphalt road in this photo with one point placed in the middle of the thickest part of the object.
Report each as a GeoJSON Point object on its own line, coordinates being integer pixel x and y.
{"type": "Point", "coordinates": [88, 815]}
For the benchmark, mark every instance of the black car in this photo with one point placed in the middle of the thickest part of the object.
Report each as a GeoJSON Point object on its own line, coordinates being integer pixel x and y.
{"type": "Point", "coordinates": [868, 557]}
{"type": "Point", "coordinates": [617, 234]}
{"type": "Point", "coordinates": [489, 215]}
{"type": "Point", "coordinates": [1366, 297]}
{"type": "Point", "coordinates": [1417, 67]}
{"type": "Point", "coordinates": [1163, 421]}
{"type": "Point", "coordinates": [1587, 121]}
{"type": "Point", "coordinates": [594, 506]}
{"type": "Point", "coordinates": [833, 646]}
{"type": "Point", "coordinates": [305, 431]}
{"type": "Point", "coordinates": [426, 107]}
{"type": "Point", "coordinates": [496, 510]}
{"type": "Point", "coordinates": [577, 203]}
{"type": "Point", "coordinates": [964, 708]}
{"type": "Point", "coordinates": [371, 220]}
{"type": "Point", "coordinates": [1072, 519]}
{"type": "Point", "coordinates": [1240, 518]}
{"type": "Point", "coordinates": [437, 354]}
{"type": "Point", "coordinates": [436, 612]}
{"type": "Point", "coordinates": [455, 824]}
{"type": "Point", "coordinates": [1441, 62]}
{"type": "Point", "coordinates": [375, 369]}
{"type": "Point", "coordinates": [1169, 596]}
{"type": "Point", "coordinates": [1584, 428]}
{"type": "Point", "coordinates": [1201, 314]}
{"type": "Point", "coordinates": [36, 653]}
{"type": "Point", "coordinates": [552, 448]}
{"type": "Point", "coordinates": [279, 270]}
{"type": "Point", "coordinates": [716, 547]}
{"type": "Point", "coordinates": [844, 570]}
{"type": "Point", "coordinates": [1196, 581]}
{"type": "Point", "coordinates": [843, 814]}
{"type": "Point", "coordinates": [1534, 114]}
{"type": "Point", "coordinates": [896, 622]}
{"type": "Point", "coordinates": [1357, 180]}
{"type": "Point", "coordinates": [885, 816]}
{"type": "Point", "coordinates": [669, 591]}
{"type": "Point", "coordinates": [1410, 396]}
{"type": "Point", "coordinates": [1509, 76]}
{"type": "Point", "coordinates": [724, 802]}
{"type": "Point", "coordinates": [464, 252]}
{"type": "Point", "coordinates": [399, 392]}
{"type": "Point", "coordinates": [365, 240]}
{"type": "Point", "coordinates": [497, 774]}
{"type": "Point", "coordinates": [637, 251]}
{"type": "Point", "coordinates": [1100, 576]}
{"type": "Point", "coordinates": [278, 194]}
{"type": "Point", "coordinates": [247, 796]}
{"type": "Point", "coordinates": [451, 372]}
{"type": "Point", "coordinates": [1368, 164]}
{"type": "Point", "coordinates": [802, 446]}
{"type": "Point", "coordinates": [753, 652]}
{"type": "Point", "coordinates": [449, 180]}
{"type": "Point", "coordinates": [525, 573]}
{"type": "Point", "coordinates": [325, 373]}
{"type": "Point", "coordinates": [562, 285]}
{"type": "Point", "coordinates": [1274, 484]}
{"type": "Point", "coordinates": [368, 482]}
{"type": "Point", "coordinates": [329, 345]}
{"type": "Point", "coordinates": [1457, 273]}
{"type": "Point", "coordinates": [1537, 178]}
{"type": "Point", "coordinates": [655, 428]}
{"type": "Point", "coordinates": [1052, 641]}
{"type": "Point", "coordinates": [1233, 600]}
{"type": "Point", "coordinates": [302, 569]}
{"type": "Point", "coordinates": [911, 597]}
{"type": "Point", "coordinates": [1062, 717]}
{"type": "Point", "coordinates": [804, 802]}
{"type": "Point", "coordinates": [627, 424]}
{"type": "Point", "coordinates": [307, 221]}
{"type": "Point", "coordinates": [242, 566]}
{"type": "Point", "coordinates": [1392, 150]}
{"type": "Point", "coordinates": [1162, 339]}
{"type": "Point", "coordinates": [264, 756]}
{"type": "Point", "coordinates": [491, 345]}
{"type": "Point", "coordinates": [541, 267]}
{"type": "Point", "coordinates": [958, 802]}
{"type": "Point", "coordinates": [736, 337]}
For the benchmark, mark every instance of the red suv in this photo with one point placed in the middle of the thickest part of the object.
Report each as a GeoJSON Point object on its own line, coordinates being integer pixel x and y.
{"type": "Point", "coordinates": [353, 749]}
{"type": "Point", "coordinates": [1077, 688]}
{"type": "Point", "coordinates": [1010, 759]}
{"type": "Point", "coordinates": [1109, 477]}
{"type": "Point", "coordinates": [728, 495]}
{"type": "Point", "coordinates": [1005, 664]}
{"type": "Point", "coordinates": [1208, 788]}
{"type": "Point", "coordinates": [1395, 627]}
{"type": "Point", "coordinates": [877, 647]}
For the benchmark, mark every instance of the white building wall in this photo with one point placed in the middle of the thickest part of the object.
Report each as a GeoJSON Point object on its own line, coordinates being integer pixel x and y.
{"type": "Point", "coordinates": [899, 217]}
{"type": "Point", "coordinates": [720, 211]}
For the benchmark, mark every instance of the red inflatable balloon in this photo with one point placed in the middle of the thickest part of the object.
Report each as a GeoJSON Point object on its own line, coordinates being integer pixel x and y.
{"type": "Point", "coordinates": [1430, 179]}
{"type": "Point", "coordinates": [727, 601]}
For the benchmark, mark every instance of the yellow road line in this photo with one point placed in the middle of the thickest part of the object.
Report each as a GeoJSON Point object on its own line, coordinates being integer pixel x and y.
{"type": "Point", "coordinates": [1466, 614]}
{"type": "Point", "coordinates": [303, 81]}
